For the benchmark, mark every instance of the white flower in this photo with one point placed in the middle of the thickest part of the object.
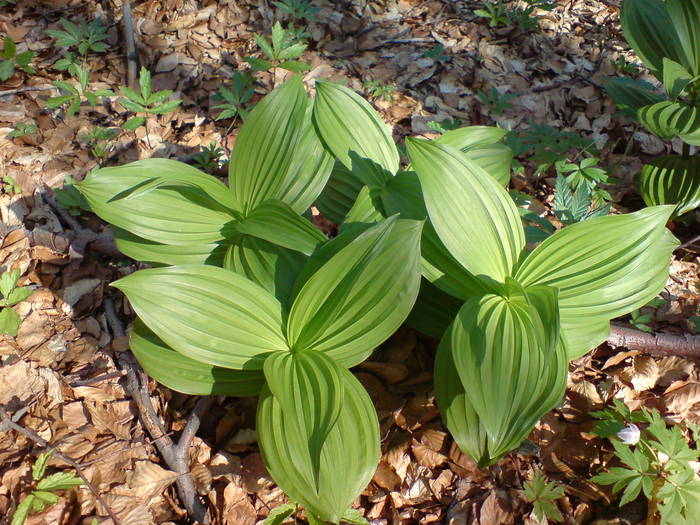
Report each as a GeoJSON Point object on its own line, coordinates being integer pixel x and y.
{"type": "Point", "coordinates": [629, 435]}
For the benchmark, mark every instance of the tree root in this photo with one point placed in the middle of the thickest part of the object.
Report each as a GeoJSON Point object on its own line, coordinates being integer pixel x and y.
{"type": "Point", "coordinates": [654, 344]}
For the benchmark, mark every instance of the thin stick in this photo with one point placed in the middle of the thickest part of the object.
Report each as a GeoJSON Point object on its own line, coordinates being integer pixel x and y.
{"type": "Point", "coordinates": [131, 56]}
{"type": "Point", "coordinates": [26, 89]}
{"type": "Point", "coordinates": [691, 241]}
{"type": "Point", "coordinates": [655, 344]}
{"type": "Point", "coordinates": [97, 379]}
{"type": "Point", "coordinates": [7, 422]}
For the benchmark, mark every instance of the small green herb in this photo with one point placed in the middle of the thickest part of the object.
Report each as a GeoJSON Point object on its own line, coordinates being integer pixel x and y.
{"type": "Point", "coordinates": [499, 103]}
{"type": "Point", "coordinates": [146, 101]}
{"type": "Point", "coordinates": [376, 89]}
{"type": "Point", "coordinates": [10, 295]}
{"type": "Point", "coordinates": [494, 11]}
{"type": "Point", "coordinates": [543, 496]}
{"type": "Point", "coordinates": [233, 99]}
{"type": "Point", "coordinates": [209, 158]}
{"type": "Point", "coordinates": [75, 95]}
{"type": "Point", "coordinates": [524, 17]}
{"type": "Point", "coordinates": [282, 51]}
{"type": "Point", "coordinates": [70, 199]}
{"type": "Point", "coordinates": [9, 185]}
{"type": "Point", "coordinates": [68, 62]}
{"type": "Point", "coordinates": [298, 9]}
{"type": "Point", "coordinates": [437, 53]}
{"type": "Point", "coordinates": [84, 37]}
{"type": "Point", "coordinates": [98, 141]}
{"type": "Point", "coordinates": [22, 129]}
{"type": "Point", "coordinates": [573, 206]}
{"type": "Point", "coordinates": [12, 60]}
{"type": "Point", "coordinates": [626, 68]}
{"type": "Point", "coordinates": [587, 173]}
{"type": "Point", "coordinates": [446, 125]}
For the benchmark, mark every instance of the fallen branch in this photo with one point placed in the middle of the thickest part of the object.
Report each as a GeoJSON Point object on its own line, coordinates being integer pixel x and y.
{"type": "Point", "coordinates": [654, 344]}
{"type": "Point", "coordinates": [8, 423]}
{"type": "Point", "coordinates": [26, 89]}
{"type": "Point", "coordinates": [176, 456]}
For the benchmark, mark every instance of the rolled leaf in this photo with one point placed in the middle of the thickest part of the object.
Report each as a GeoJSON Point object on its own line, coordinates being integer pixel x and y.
{"type": "Point", "coordinates": [348, 457]}
{"type": "Point", "coordinates": [361, 295]}
{"type": "Point", "coordinates": [186, 375]}
{"type": "Point", "coordinates": [276, 222]}
{"type": "Point", "coordinates": [354, 133]}
{"type": "Point", "coordinates": [474, 217]}
{"type": "Point", "coordinates": [266, 144]}
{"type": "Point", "coordinates": [309, 388]}
{"type": "Point", "coordinates": [207, 314]}
{"type": "Point", "coordinates": [672, 180]}
{"type": "Point", "coordinates": [163, 201]}
{"type": "Point", "coordinates": [603, 267]}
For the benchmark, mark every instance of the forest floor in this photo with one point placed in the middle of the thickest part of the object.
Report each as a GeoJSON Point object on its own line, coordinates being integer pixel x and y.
{"type": "Point", "coordinates": [62, 378]}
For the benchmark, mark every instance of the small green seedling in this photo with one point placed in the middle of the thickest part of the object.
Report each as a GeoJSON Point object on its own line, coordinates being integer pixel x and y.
{"type": "Point", "coordinates": [278, 515]}
{"type": "Point", "coordinates": [437, 53]}
{"type": "Point", "coordinates": [11, 60]}
{"type": "Point", "coordinates": [46, 487]}
{"type": "Point", "coordinates": [376, 89]}
{"type": "Point", "coordinates": [75, 95]}
{"type": "Point", "coordinates": [298, 9]}
{"type": "Point", "coordinates": [10, 295]}
{"type": "Point", "coordinates": [68, 62]}
{"type": "Point", "coordinates": [543, 496]}
{"type": "Point", "coordinates": [626, 68]}
{"type": "Point", "coordinates": [495, 12]}
{"type": "Point", "coordinates": [446, 125]}
{"type": "Point", "coordinates": [499, 103]}
{"type": "Point", "coordinates": [98, 141]}
{"type": "Point", "coordinates": [657, 462]}
{"type": "Point", "coordinates": [209, 158]}
{"type": "Point", "coordinates": [22, 129]}
{"type": "Point", "coordinates": [84, 37]}
{"type": "Point", "coordinates": [9, 185]}
{"type": "Point", "coordinates": [282, 51]}
{"type": "Point", "coordinates": [525, 18]}
{"type": "Point", "coordinates": [571, 206]}
{"type": "Point", "coordinates": [537, 228]}
{"type": "Point", "coordinates": [587, 173]}
{"type": "Point", "coordinates": [640, 319]}
{"type": "Point", "coordinates": [146, 102]}
{"type": "Point", "coordinates": [233, 99]}
{"type": "Point", "coordinates": [69, 198]}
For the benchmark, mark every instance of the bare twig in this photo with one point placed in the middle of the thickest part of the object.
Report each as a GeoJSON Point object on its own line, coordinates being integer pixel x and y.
{"type": "Point", "coordinates": [8, 422]}
{"type": "Point", "coordinates": [25, 89]}
{"type": "Point", "coordinates": [131, 56]}
{"type": "Point", "coordinates": [691, 241]}
{"type": "Point", "coordinates": [176, 456]}
{"type": "Point", "coordinates": [65, 216]}
{"type": "Point", "coordinates": [97, 379]}
{"type": "Point", "coordinates": [655, 344]}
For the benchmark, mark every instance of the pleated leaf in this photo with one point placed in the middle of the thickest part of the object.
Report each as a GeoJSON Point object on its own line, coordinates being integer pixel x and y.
{"type": "Point", "coordinates": [161, 200]}
{"type": "Point", "coordinates": [366, 210]}
{"type": "Point", "coordinates": [672, 180]}
{"type": "Point", "coordinates": [361, 295]}
{"type": "Point", "coordinates": [340, 193]}
{"type": "Point", "coordinates": [309, 388]}
{"type": "Point", "coordinates": [669, 119]}
{"type": "Point", "coordinates": [266, 144]}
{"type": "Point", "coordinates": [354, 133]}
{"type": "Point", "coordinates": [631, 95]}
{"type": "Point", "coordinates": [471, 137]}
{"type": "Point", "coordinates": [157, 254]}
{"type": "Point", "coordinates": [208, 314]}
{"type": "Point", "coordinates": [348, 457]}
{"type": "Point", "coordinates": [603, 267]}
{"type": "Point", "coordinates": [186, 375]}
{"type": "Point", "coordinates": [472, 214]}
{"type": "Point", "coordinates": [685, 15]}
{"type": "Point", "coordinates": [506, 353]}
{"type": "Point", "coordinates": [276, 222]}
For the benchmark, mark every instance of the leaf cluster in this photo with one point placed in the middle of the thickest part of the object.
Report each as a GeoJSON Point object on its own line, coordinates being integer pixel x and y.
{"type": "Point", "coordinates": [282, 50]}
{"type": "Point", "coordinates": [298, 9]}
{"type": "Point", "coordinates": [233, 99]}
{"type": "Point", "coordinates": [146, 101]}
{"type": "Point", "coordinates": [23, 129]}
{"type": "Point", "coordinates": [76, 94]}
{"type": "Point", "coordinates": [83, 37]}
{"type": "Point", "coordinates": [208, 158]}
{"type": "Point", "coordinates": [542, 495]}
{"type": "Point", "coordinates": [12, 60]}
{"type": "Point", "coordinates": [10, 295]}
{"type": "Point", "coordinates": [498, 103]}
{"type": "Point", "coordinates": [69, 198]}
{"type": "Point", "coordinates": [46, 487]}
{"type": "Point", "coordinates": [376, 89]}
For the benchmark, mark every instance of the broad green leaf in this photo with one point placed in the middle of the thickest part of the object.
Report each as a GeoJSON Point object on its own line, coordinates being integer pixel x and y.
{"type": "Point", "coordinates": [8, 281]}
{"type": "Point", "coordinates": [474, 217]}
{"type": "Point", "coordinates": [272, 267]}
{"type": "Point", "coordinates": [266, 143]}
{"type": "Point", "coordinates": [494, 159]}
{"type": "Point", "coordinates": [9, 322]}
{"type": "Point", "coordinates": [603, 267]}
{"type": "Point", "coordinates": [366, 210]}
{"type": "Point", "coordinates": [276, 222]}
{"type": "Point", "coordinates": [631, 95]}
{"type": "Point", "coordinates": [279, 514]}
{"type": "Point", "coordinates": [182, 374]}
{"type": "Point", "coordinates": [133, 123]}
{"type": "Point", "coordinates": [207, 314]}
{"type": "Point", "coordinates": [672, 180]}
{"type": "Point", "coordinates": [649, 29]}
{"type": "Point", "coordinates": [471, 137]}
{"type": "Point", "coordinates": [354, 133]}
{"type": "Point", "coordinates": [309, 170]}
{"type": "Point", "coordinates": [157, 254]}
{"type": "Point", "coordinates": [434, 310]}
{"type": "Point", "coordinates": [669, 119]}
{"type": "Point", "coordinates": [361, 295]}
{"type": "Point", "coordinates": [685, 15]}
{"type": "Point", "coordinates": [309, 389]}
{"type": "Point", "coordinates": [506, 352]}
{"type": "Point", "coordinates": [340, 193]}
{"type": "Point", "coordinates": [348, 458]}
{"type": "Point", "coordinates": [675, 78]}
{"type": "Point", "coordinates": [60, 481]}
{"type": "Point", "coordinates": [161, 200]}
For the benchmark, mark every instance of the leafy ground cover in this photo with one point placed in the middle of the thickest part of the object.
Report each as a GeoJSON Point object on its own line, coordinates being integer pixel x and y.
{"type": "Point", "coordinates": [421, 63]}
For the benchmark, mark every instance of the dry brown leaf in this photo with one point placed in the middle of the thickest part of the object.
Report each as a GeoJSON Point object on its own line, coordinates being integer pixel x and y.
{"type": "Point", "coordinates": [496, 510]}
{"type": "Point", "coordinates": [645, 372]}
{"type": "Point", "coordinates": [386, 477]}
{"type": "Point", "coordinates": [149, 480]}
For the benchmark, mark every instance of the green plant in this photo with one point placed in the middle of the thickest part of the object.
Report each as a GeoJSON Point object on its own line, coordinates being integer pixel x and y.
{"type": "Point", "coordinates": [282, 51]}
{"type": "Point", "coordinates": [68, 62]}
{"type": "Point", "coordinates": [46, 486]}
{"type": "Point", "coordinates": [69, 198]}
{"type": "Point", "coordinates": [586, 173]}
{"type": "Point", "coordinates": [287, 313]}
{"type": "Point", "coordinates": [84, 37]}
{"type": "Point", "coordinates": [10, 295]}
{"type": "Point", "coordinates": [9, 185]}
{"type": "Point", "coordinates": [572, 206]}
{"type": "Point", "coordinates": [12, 60]}
{"type": "Point", "coordinates": [98, 141]}
{"type": "Point", "coordinates": [541, 308]}
{"type": "Point", "coordinates": [233, 99]}
{"type": "Point", "coordinates": [499, 103]}
{"type": "Point", "coordinates": [543, 496]}
{"type": "Point", "coordinates": [446, 125]}
{"type": "Point", "coordinates": [524, 16]}
{"type": "Point", "coordinates": [298, 9]}
{"type": "Point", "coordinates": [75, 95]}
{"type": "Point", "coordinates": [639, 320]}
{"type": "Point", "coordinates": [666, 37]}
{"type": "Point", "coordinates": [437, 53]}
{"type": "Point", "coordinates": [23, 129]}
{"type": "Point", "coordinates": [494, 11]}
{"type": "Point", "coordinates": [626, 68]}
{"type": "Point", "coordinates": [147, 101]}
{"type": "Point", "coordinates": [656, 463]}
{"type": "Point", "coordinates": [209, 158]}
{"type": "Point", "coordinates": [376, 89]}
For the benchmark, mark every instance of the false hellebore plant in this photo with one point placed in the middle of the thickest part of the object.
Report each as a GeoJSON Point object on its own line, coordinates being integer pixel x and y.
{"type": "Point", "coordinates": [257, 302]}
{"type": "Point", "coordinates": [665, 34]}
{"type": "Point", "coordinates": [515, 318]}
